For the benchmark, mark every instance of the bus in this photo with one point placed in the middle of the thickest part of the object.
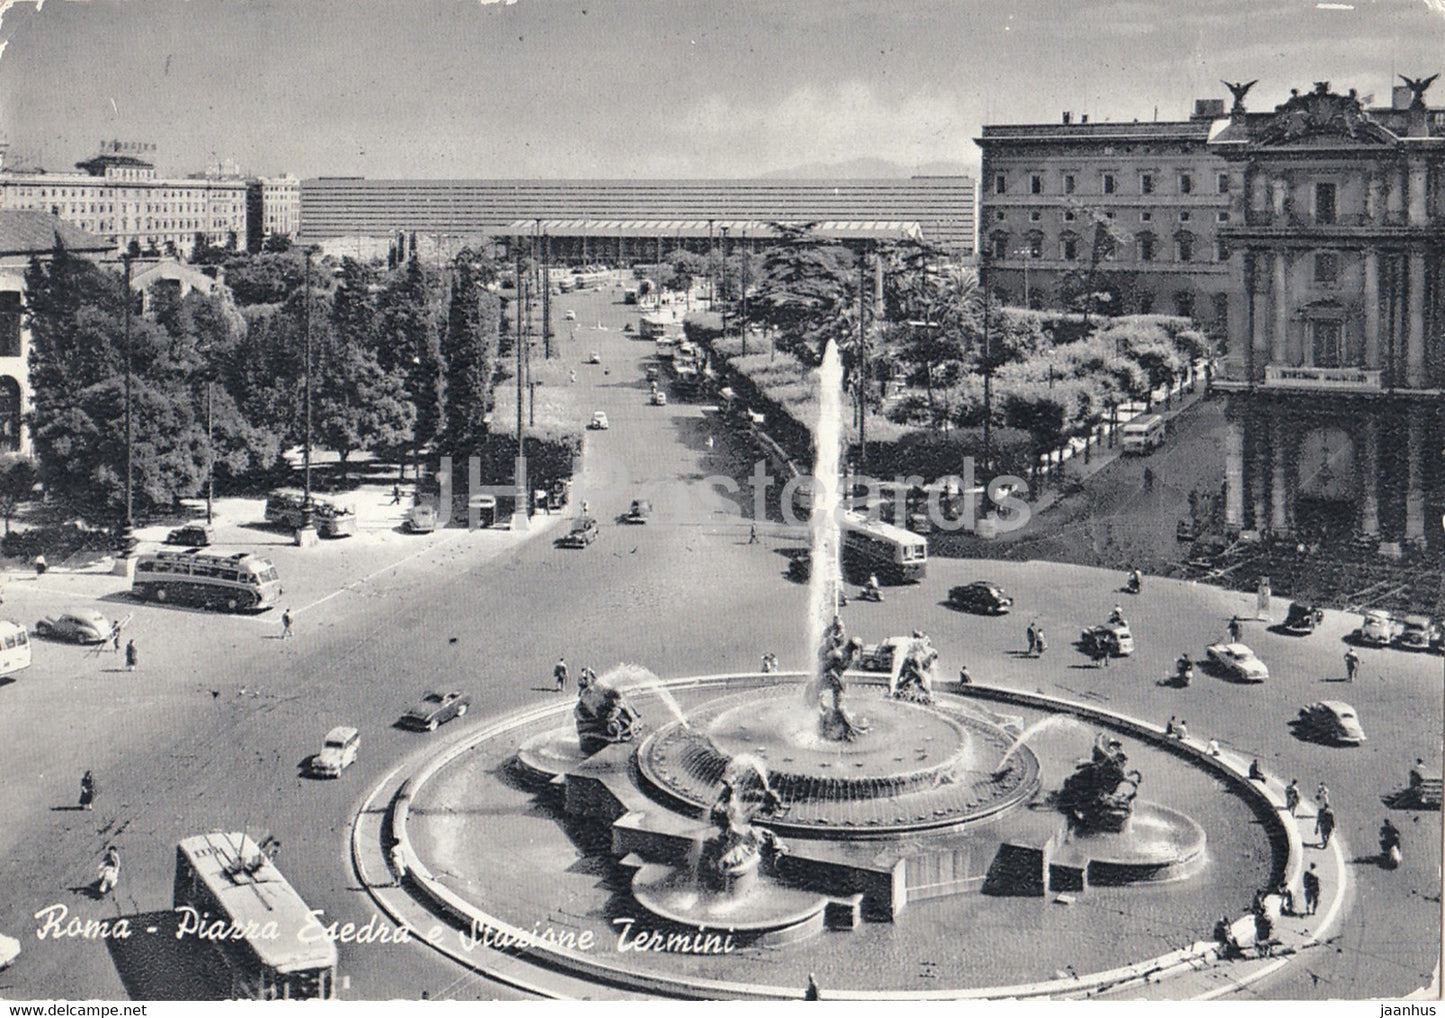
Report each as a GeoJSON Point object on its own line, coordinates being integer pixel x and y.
{"type": "Point", "coordinates": [239, 582]}
{"type": "Point", "coordinates": [1142, 435]}
{"type": "Point", "coordinates": [590, 277]}
{"type": "Point", "coordinates": [651, 328]}
{"type": "Point", "coordinates": [273, 947]}
{"type": "Point", "coordinates": [873, 547]}
{"type": "Point", "coordinates": [14, 648]}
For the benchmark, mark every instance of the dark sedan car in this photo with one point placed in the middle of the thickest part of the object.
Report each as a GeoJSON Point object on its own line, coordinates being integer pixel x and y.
{"type": "Point", "coordinates": [583, 533]}
{"type": "Point", "coordinates": [1302, 619]}
{"type": "Point", "coordinates": [980, 597]}
{"type": "Point", "coordinates": [435, 709]}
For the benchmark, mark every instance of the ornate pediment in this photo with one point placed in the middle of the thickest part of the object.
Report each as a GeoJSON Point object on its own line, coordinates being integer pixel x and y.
{"type": "Point", "coordinates": [1322, 116]}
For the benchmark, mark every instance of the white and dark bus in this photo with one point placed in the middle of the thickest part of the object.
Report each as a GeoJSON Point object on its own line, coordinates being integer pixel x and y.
{"type": "Point", "coordinates": [14, 648]}
{"type": "Point", "coordinates": [873, 547]}
{"type": "Point", "coordinates": [239, 582]}
{"type": "Point", "coordinates": [275, 949]}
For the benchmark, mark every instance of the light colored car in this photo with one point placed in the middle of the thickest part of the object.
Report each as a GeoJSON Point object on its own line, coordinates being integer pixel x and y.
{"type": "Point", "coordinates": [1378, 628]}
{"type": "Point", "coordinates": [1331, 721]}
{"type": "Point", "coordinates": [1114, 638]}
{"type": "Point", "coordinates": [338, 752]}
{"type": "Point", "coordinates": [422, 519]}
{"type": "Point", "coordinates": [595, 358]}
{"type": "Point", "coordinates": [659, 398]}
{"type": "Point", "coordinates": [569, 315]}
{"type": "Point", "coordinates": [1238, 661]}
{"type": "Point", "coordinates": [77, 627]}
{"type": "Point", "coordinates": [435, 709]}
{"type": "Point", "coordinates": [598, 422]}
{"type": "Point", "coordinates": [9, 950]}
{"type": "Point", "coordinates": [1418, 632]}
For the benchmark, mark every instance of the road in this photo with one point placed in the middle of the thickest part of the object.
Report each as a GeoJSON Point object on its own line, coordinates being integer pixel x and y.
{"type": "Point", "coordinates": [211, 731]}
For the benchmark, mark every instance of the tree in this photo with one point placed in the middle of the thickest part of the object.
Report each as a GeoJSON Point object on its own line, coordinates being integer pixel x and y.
{"type": "Point", "coordinates": [408, 346]}
{"type": "Point", "coordinates": [276, 243]}
{"type": "Point", "coordinates": [807, 292]}
{"type": "Point", "coordinates": [265, 278]}
{"type": "Point", "coordinates": [17, 483]}
{"type": "Point", "coordinates": [940, 307]}
{"type": "Point", "coordinates": [1105, 238]}
{"type": "Point", "coordinates": [470, 349]}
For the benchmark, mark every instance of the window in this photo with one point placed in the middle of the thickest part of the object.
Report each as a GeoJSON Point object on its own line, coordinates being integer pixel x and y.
{"type": "Point", "coordinates": [1069, 247]}
{"type": "Point", "coordinates": [1222, 183]}
{"type": "Point", "coordinates": [1146, 303]}
{"type": "Point", "coordinates": [1186, 183]}
{"type": "Point", "coordinates": [1221, 310]}
{"type": "Point", "coordinates": [1035, 216]}
{"type": "Point", "coordinates": [1184, 217]}
{"type": "Point", "coordinates": [1146, 183]}
{"type": "Point", "coordinates": [1184, 304]}
{"type": "Point", "coordinates": [1184, 246]}
{"type": "Point", "coordinates": [10, 314]}
{"type": "Point", "coordinates": [1036, 184]}
{"type": "Point", "coordinates": [1146, 217]}
{"type": "Point", "coordinates": [1069, 183]}
{"type": "Point", "coordinates": [1221, 250]}
{"type": "Point", "coordinates": [1146, 247]}
{"type": "Point", "coordinates": [1324, 203]}
{"type": "Point", "coordinates": [1109, 183]}
{"type": "Point", "coordinates": [1327, 343]}
{"type": "Point", "coordinates": [998, 216]}
{"type": "Point", "coordinates": [1069, 217]}
{"type": "Point", "coordinates": [1000, 184]}
{"type": "Point", "coordinates": [1036, 244]}
{"type": "Point", "coordinates": [1221, 217]}
{"type": "Point", "coordinates": [1327, 267]}
{"type": "Point", "coordinates": [1000, 245]}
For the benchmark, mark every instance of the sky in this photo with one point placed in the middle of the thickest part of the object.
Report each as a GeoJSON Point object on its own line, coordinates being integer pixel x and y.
{"type": "Point", "coordinates": [651, 88]}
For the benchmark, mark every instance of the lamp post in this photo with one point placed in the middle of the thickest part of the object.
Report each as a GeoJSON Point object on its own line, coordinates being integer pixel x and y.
{"type": "Point", "coordinates": [306, 533]}
{"type": "Point", "coordinates": [127, 542]}
{"type": "Point", "coordinates": [987, 368]}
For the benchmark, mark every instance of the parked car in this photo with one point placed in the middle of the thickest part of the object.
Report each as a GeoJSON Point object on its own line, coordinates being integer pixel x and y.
{"type": "Point", "coordinates": [639, 511]}
{"type": "Point", "coordinates": [569, 315]}
{"type": "Point", "coordinates": [9, 951]}
{"type": "Point", "coordinates": [981, 597]}
{"type": "Point", "coordinates": [658, 398]}
{"type": "Point", "coordinates": [652, 373]}
{"type": "Point", "coordinates": [599, 422]}
{"type": "Point", "coordinates": [1302, 619]}
{"type": "Point", "coordinates": [1113, 638]}
{"type": "Point", "coordinates": [880, 657]}
{"type": "Point", "coordinates": [338, 752]}
{"type": "Point", "coordinates": [422, 519]}
{"type": "Point", "coordinates": [435, 709]}
{"type": "Point", "coordinates": [594, 358]}
{"type": "Point", "coordinates": [1378, 628]}
{"type": "Point", "coordinates": [193, 535]}
{"type": "Point", "coordinates": [77, 627]}
{"type": "Point", "coordinates": [1331, 721]}
{"type": "Point", "coordinates": [1417, 632]}
{"type": "Point", "coordinates": [583, 533]}
{"type": "Point", "coordinates": [1238, 662]}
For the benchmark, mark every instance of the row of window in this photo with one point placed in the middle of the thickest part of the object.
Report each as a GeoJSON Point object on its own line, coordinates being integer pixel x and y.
{"type": "Point", "coordinates": [1109, 180]}
{"type": "Point", "coordinates": [1073, 247]}
{"type": "Point", "coordinates": [96, 192]}
{"type": "Point", "coordinates": [1070, 216]}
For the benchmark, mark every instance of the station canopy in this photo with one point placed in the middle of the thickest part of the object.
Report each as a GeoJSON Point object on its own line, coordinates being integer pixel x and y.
{"type": "Point", "coordinates": [734, 229]}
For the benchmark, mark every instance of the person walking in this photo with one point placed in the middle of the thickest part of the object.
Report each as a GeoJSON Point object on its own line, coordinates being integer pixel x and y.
{"type": "Point", "coordinates": [396, 494]}
{"type": "Point", "coordinates": [1033, 639]}
{"type": "Point", "coordinates": [1325, 825]}
{"type": "Point", "coordinates": [1352, 665]}
{"type": "Point", "coordinates": [1322, 796]}
{"type": "Point", "coordinates": [87, 790]}
{"type": "Point", "coordinates": [1311, 883]}
{"type": "Point", "coordinates": [1039, 645]}
{"type": "Point", "coordinates": [109, 870]}
{"type": "Point", "coordinates": [1235, 629]}
{"type": "Point", "coordinates": [40, 565]}
{"type": "Point", "coordinates": [132, 656]}
{"type": "Point", "coordinates": [286, 621]}
{"type": "Point", "coordinates": [1101, 655]}
{"type": "Point", "coordinates": [559, 674]}
{"type": "Point", "coordinates": [1291, 796]}
{"type": "Point", "coordinates": [114, 636]}
{"type": "Point", "coordinates": [752, 533]}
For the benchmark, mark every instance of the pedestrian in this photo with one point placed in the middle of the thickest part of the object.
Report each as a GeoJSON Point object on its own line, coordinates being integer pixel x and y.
{"type": "Point", "coordinates": [1181, 730]}
{"type": "Point", "coordinates": [1039, 645]}
{"type": "Point", "coordinates": [1322, 796]}
{"type": "Point", "coordinates": [709, 441]}
{"type": "Point", "coordinates": [87, 790]}
{"type": "Point", "coordinates": [40, 565]}
{"type": "Point", "coordinates": [1256, 773]}
{"type": "Point", "coordinates": [109, 870]}
{"type": "Point", "coordinates": [114, 636]}
{"type": "Point", "coordinates": [559, 674]}
{"type": "Point", "coordinates": [396, 494]}
{"type": "Point", "coordinates": [1352, 665]}
{"type": "Point", "coordinates": [1311, 883]}
{"type": "Point", "coordinates": [572, 376]}
{"type": "Point", "coordinates": [1325, 825]}
{"type": "Point", "coordinates": [1101, 655]}
{"type": "Point", "coordinates": [753, 533]}
{"type": "Point", "coordinates": [1291, 796]}
{"type": "Point", "coordinates": [586, 677]}
{"type": "Point", "coordinates": [286, 624]}
{"type": "Point", "coordinates": [1212, 747]}
{"type": "Point", "coordinates": [132, 657]}
{"type": "Point", "coordinates": [1171, 726]}
{"type": "Point", "coordinates": [964, 679]}
{"type": "Point", "coordinates": [1235, 629]}
{"type": "Point", "coordinates": [1148, 479]}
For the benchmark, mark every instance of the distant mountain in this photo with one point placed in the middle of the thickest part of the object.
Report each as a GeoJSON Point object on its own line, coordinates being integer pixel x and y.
{"type": "Point", "coordinates": [872, 167]}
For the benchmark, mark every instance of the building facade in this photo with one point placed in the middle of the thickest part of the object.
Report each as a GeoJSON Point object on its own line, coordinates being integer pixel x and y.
{"type": "Point", "coordinates": [119, 197]}
{"type": "Point", "coordinates": [335, 207]}
{"type": "Point", "coordinates": [1134, 210]}
{"type": "Point", "coordinates": [281, 206]}
{"type": "Point", "coordinates": [1337, 375]}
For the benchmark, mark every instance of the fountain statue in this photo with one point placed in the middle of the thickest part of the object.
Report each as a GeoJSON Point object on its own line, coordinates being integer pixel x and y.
{"type": "Point", "coordinates": [836, 656]}
{"type": "Point", "coordinates": [1099, 795]}
{"type": "Point", "coordinates": [913, 676]}
{"type": "Point", "coordinates": [603, 716]}
{"type": "Point", "coordinates": [732, 854]}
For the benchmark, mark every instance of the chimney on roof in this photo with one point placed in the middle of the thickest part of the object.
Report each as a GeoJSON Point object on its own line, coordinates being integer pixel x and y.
{"type": "Point", "coordinates": [1083, 118]}
{"type": "Point", "coordinates": [1400, 97]}
{"type": "Point", "coordinates": [1068, 118]}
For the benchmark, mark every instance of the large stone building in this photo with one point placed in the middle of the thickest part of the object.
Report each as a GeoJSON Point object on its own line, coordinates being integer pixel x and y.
{"type": "Point", "coordinates": [624, 220]}
{"type": "Point", "coordinates": [27, 234]}
{"type": "Point", "coordinates": [117, 195]}
{"type": "Point", "coordinates": [1337, 230]}
{"type": "Point", "coordinates": [1159, 190]}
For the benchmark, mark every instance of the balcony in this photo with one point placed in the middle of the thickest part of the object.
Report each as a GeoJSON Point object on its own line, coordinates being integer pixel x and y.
{"type": "Point", "coordinates": [1279, 376]}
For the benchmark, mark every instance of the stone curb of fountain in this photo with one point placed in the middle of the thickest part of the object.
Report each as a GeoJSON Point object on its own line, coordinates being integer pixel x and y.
{"type": "Point", "coordinates": [571, 964]}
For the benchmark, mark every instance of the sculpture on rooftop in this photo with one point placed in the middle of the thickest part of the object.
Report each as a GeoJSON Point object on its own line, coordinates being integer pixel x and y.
{"type": "Point", "coordinates": [1417, 87]}
{"type": "Point", "coordinates": [1239, 89]}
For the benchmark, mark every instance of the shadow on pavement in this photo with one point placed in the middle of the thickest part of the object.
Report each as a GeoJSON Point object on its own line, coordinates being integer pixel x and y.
{"type": "Point", "coordinates": [153, 964]}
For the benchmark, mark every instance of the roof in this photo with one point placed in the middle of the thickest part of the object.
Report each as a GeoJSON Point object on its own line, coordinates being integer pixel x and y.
{"type": "Point", "coordinates": [169, 269]}
{"type": "Point", "coordinates": [1188, 130]}
{"type": "Point", "coordinates": [33, 232]}
{"type": "Point", "coordinates": [834, 229]}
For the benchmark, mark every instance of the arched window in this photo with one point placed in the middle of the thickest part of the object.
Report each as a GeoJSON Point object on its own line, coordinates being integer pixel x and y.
{"type": "Point", "coordinates": [1069, 247]}
{"type": "Point", "coordinates": [10, 411]}
{"type": "Point", "coordinates": [1184, 246]}
{"type": "Point", "coordinates": [1148, 246]}
{"type": "Point", "coordinates": [999, 244]}
{"type": "Point", "coordinates": [1034, 242]}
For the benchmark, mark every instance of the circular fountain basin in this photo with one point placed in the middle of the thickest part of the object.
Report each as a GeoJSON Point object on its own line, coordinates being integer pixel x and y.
{"type": "Point", "coordinates": [1157, 844]}
{"type": "Point", "coordinates": [549, 754]}
{"type": "Point", "coordinates": [916, 767]}
{"type": "Point", "coordinates": [765, 911]}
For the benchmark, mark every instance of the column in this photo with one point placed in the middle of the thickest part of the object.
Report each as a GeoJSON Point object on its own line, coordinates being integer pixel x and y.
{"type": "Point", "coordinates": [1418, 178]}
{"type": "Point", "coordinates": [1372, 307]}
{"type": "Point", "coordinates": [1369, 440]}
{"type": "Point", "coordinates": [1257, 463]}
{"type": "Point", "coordinates": [1279, 340]}
{"type": "Point", "coordinates": [1234, 474]}
{"type": "Point", "coordinates": [1373, 206]}
{"type": "Point", "coordinates": [1394, 195]}
{"type": "Point", "coordinates": [1414, 487]}
{"type": "Point", "coordinates": [1279, 479]}
{"type": "Point", "coordinates": [1258, 317]}
{"type": "Point", "coordinates": [1415, 340]}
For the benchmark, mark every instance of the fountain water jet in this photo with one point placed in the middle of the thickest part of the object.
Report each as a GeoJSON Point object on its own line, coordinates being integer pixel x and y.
{"type": "Point", "coordinates": [825, 578]}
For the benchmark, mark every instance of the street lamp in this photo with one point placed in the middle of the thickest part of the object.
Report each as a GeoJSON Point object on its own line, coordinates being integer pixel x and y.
{"type": "Point", "coordinates": [127, 541]}
{"type": "Point", "coordinates": [306, 533]}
